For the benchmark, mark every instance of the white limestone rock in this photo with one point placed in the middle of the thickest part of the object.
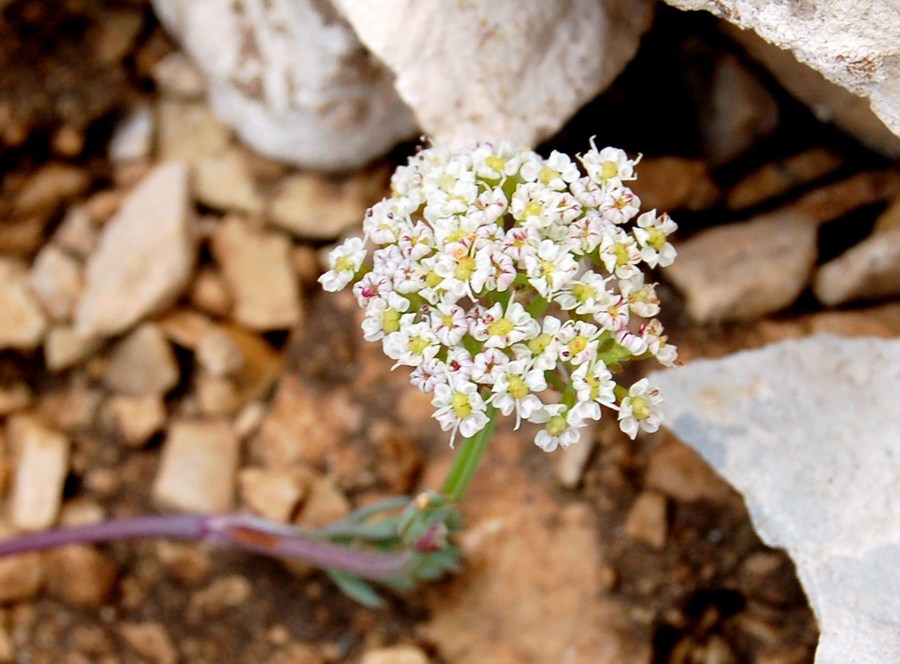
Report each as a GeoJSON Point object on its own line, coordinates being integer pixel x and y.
{"type": "Point", "coordinates": [853, 43]}
{"type": "Point", "coordinates": [145, 256]}
{"type": "Point", "coordinates": [808, 431]}
{"type": "Point", "coordinates": [42, 464]}
{"type": "Point", "coordinates": [499, 70]}
{"type": "Point", "coordinates": [292, 79]}
{"type": "Point", "coordinates": [744, 270]}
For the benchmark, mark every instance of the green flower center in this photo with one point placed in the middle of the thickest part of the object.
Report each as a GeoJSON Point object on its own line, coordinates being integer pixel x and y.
{"type": "Point", "coordinates": [533, 209]}
{"type": "Point", "coordinates": [547, 175]}
{"type": "Point", "coordinates": [517, 388]}
{"type": "Point", "coordinates": [344, 264]}
{"type": "Point", "coordinates": [578, 344]}
{"type": "Point", "coordinates": [582, 292]}
{"type": "Point", "coordinates": [609, 169]}
{"type": "Point", "coordinates": [496, 163]}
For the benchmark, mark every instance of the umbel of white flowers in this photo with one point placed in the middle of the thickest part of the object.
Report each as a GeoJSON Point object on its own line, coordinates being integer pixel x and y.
{"type": "Point", "coordinates": [512, 282]}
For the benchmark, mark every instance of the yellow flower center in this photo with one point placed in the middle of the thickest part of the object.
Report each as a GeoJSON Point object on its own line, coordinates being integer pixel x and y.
{"type": "Point", "coordinates": [417, 345]}
{"type": "Point", "coordinates": [539, 344]}
{"type": "Point", "coordinates": [460, 404]}
{"type": "Point", "coordinates": [656, 239]}
{"type": "Point", "coordinates": [547, 175]}
{"type": "Point", "coordinates": [595, 386]}
{"type": "Point", "coordinates": [390, 321]}
{"type": "Point", "coordinates": [496, 163]}
{"type": "Point", "coordinates": [344, 264]}
{"type": "Point", "coordinates": [578, 344]}
{"type": "Point", "coordinates": [640, 408]}
{"type": "Point", "coordinates": [547, 268]}
{"type": "Point", "coordinates": [500, 327]}
{"type": "Point", "coordinates": [621, 254]}
{"type": "Point", "coordinates": [517, 388]}
{"type": "Point", "coordinates": [447, 181]}
{"type": "Point", "coordinates": [464, 268]}
{"type": "Point", "coordinates": [533, 209]}
{"type": "Point", "coordinates": [557, 425]}
{"type": "Point", "coordinates": [582, 292]}
{"type": "Point", "coordinates": [609, 169]}
{"type": "Point", "coordinates": [433, 279]}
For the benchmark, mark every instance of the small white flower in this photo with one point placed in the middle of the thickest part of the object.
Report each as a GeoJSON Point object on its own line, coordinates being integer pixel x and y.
{"type": "Point", "coordinates": [543, 349]}
{"type": "Point", "coordinates": [652, 233]}
{"type": "Point", "coordinates": [428, 374]}
{"type": "Point", "coordinates": [521, 241]}
{"type": "Point", "coordinates": [551, 269]}
{"type": "Point", "coordinates": [494, 270]}
{"type": "Point", "coordinates": [639, 410]}
{"type": "Point", "coordinates": [488, 365]}
{"type": "Point", "coordinates": [578, 342]}
{"type": "Point", "coordinates": [609, 167]}
{"type": "Point", "coordinates": [372, 286]}
{"type": "Point", "coordinates": [561, 426]}
{"type": "Point", "coordinates": [620, 254]}
{"type": "Point", "coordinates": [412, 344]}
{"type": "Point", "coordinates": [460, 363]}
{"type": "Point", "coordinates": [640, 297]}
{"type": "Point", "coordinates": [619, 206]}
{"type": "Point", "coordinates": [499, 329]}
{"type": "Point", "coordinates": [584, 295]}
{"type": "Point", "coordinates": [345, 261]}
{"type": "Point", "coordinates": [594, 386]}
{"type": "Point", "coordinates": [459, 407]}
{"type": "Point", "coordinates": [515, 390]}
{"type": "Point", "coordinates": [657, 343]}
{"type": "Point", "coordinates": [383, 316]}
{"type": "Point", "coordinates": [449, 323]}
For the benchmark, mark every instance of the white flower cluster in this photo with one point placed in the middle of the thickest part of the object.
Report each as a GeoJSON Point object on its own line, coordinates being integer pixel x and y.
{"type": "Point", "coordinates": [513, 282]}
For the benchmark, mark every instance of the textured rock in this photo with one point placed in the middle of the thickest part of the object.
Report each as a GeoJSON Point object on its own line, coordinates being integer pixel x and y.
{"type": "Point", "coordinates": [197, 469]}
{"type": "Point", "coordinates": [869, 270]}
{"type": "Point", "coordinates": [256, 266]}
{"type": "Point", "coordinates": [292, 79]}
{"type": "Point", "coordinates": [747, 269]}
{"type": "Point", "coordinates": [43, 461]}
{"type": "Point", "coordinates": [145, 256]}
{"type": "Point", "coordinates": [828, 101]}
{"type": "Point", "coordinates": [142, 363]}
{"type": "Point", "coordinates": [471, 70]}
{"type": "Point", "coordinates": [851, 42]}
{"type": "Point", "coordinates": [808, 431]}
{"type": "Point", "coordinates": [150, 640]}
{"type": "Point", "coordinates": [22, 324]}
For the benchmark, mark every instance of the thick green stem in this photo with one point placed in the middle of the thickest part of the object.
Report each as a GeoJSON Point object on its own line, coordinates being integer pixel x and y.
{"type": "Point", "coordinates": [467, 458]}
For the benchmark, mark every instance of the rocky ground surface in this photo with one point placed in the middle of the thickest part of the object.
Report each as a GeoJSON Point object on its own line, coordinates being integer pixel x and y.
{"type": "Point", "coordinates": [164, 347]}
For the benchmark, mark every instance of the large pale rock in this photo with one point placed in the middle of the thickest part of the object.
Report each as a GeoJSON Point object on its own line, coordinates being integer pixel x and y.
{"type": "Point", "coordinates": [809, 431]}
{"type": "Point", "coordinates": [869, 270]}
{"type": "Point", "coordinates": [292, 79]}
{"type": "Point", "coordinates": [853, 43]}
{"type": "Point", "coordinates": [145, 257]}
{"type": "Point", "coordinates": [499, 70]}
{"type": "Point", "coordinates": [747, 269]}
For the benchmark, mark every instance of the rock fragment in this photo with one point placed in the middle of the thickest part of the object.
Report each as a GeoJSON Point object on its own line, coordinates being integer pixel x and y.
{"type": "Point", "coordinates": [747, 269]}
{"type": "Point", "coordinates": [50, 186]}
{"type": "Point", "coordinates": [145, 257]}
{"type": "Point", "coordinates": [137, 418]}
{"type": "Point", "coordinates": [79, 575]}
{"type": "Point", "coordinates": [65, 347]}
{"type": "Point", "coordinates": [189, 131]}
{"type": "Point", "coordinates": [272, 492]}
{"type": "Point", "coordinates": [149, 640]}
{"type": "Point", "coordinates": [783, 175]}
{"type": "Point", "coordinates": [314, 207]}
{"type": "Point", "coordinates": [43, 461]}
{"type": "Point", "coordinates": [22, 323]}
{"type": "Point", "coordinates": [198, 465]}
{"type": "Point", "coordinates": [647, 521]}
{"type": "Point", "coordinates": [176, 75]}
{"type": "Point", "coordinates": [256, 266]}
{"type": "Point", "coordinates": [223, 182]}
{"type": "Point", "coordinates": [679, 472]}
{"type": "Point", "coordinates": [132, 138]}
{"type": "Point", "coordinates": [56, 279]}
{"type": "Point", "coordinates": [142, 363]}
{"type": "Point", "coordinates": [402, 654]}
{"type": "Point", "coordinates": [867, 271]}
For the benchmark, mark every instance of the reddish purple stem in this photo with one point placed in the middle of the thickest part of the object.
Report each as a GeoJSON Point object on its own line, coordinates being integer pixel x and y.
{"type": "Point", "coordinates": [237, 530]}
